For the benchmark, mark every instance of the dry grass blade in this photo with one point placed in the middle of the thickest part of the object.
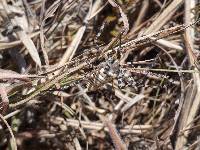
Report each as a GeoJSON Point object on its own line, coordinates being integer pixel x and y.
{"type": "Point", "coordinates": [22, 35]}
{"type": "Point", "coordinates": [164, 16]}
{"type": "Point", "coordinates": [5, 100]}
{"type": "Point", "coordinates": [73, 46]}
{"type": "Point", "coordinates": [114, 134]}
{"type": "Point", "coordinates": [12, 114]}
{"type": "Point", "coordinates": [132, 102]}
{"type": "Point", "coordinates": [169, 44]}
{"type": "Point", "coordinates": [192, 103]}
{"type": "Point", "coordinates": [69, 54]}
{"type": "Point", "coordinates": [153, 37]}
{"type": "Point", "coordinates": [6, 45]}
{"type": "Point", "coordinates": [14, 144]}
{"type": "Point", "coordinates": [145, 6]}
{"type": "Point", "coordinates": [124, 17]}
{"type": "Point", "coordinates": [134, 129]}
{"type": "Point", "coordinates": [28, 43]}
{"type": "Point", "coordinates": [9, 74]}
{"type": "Point", "coordinates": [43, 17]}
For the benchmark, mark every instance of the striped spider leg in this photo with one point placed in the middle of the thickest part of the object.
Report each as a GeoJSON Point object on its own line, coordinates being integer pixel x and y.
{"type": "Point", "coordinates": [146, 72]}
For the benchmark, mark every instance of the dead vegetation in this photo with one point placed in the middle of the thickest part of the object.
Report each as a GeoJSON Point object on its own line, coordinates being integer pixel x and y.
{"type": "Point", "coordinates": [94, 74]}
